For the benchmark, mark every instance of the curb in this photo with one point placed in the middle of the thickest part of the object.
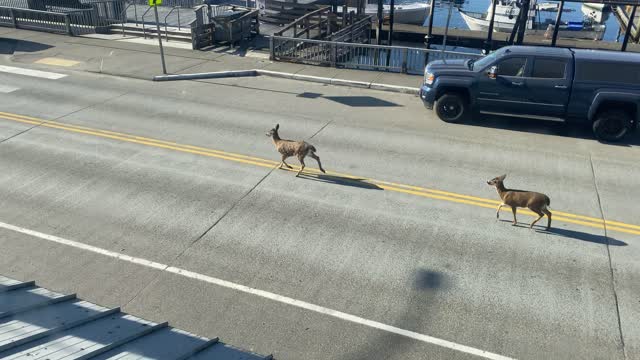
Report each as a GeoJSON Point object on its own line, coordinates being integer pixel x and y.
{"type": "Point", "coordinates": [283, 75]}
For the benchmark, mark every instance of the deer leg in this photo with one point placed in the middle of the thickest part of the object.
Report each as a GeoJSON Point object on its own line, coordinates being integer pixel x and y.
{"type": "Point", "coordinates": [284, 157]}
{"type": "Point", "coordinates": [301, 159]}
{"type": "Point", "coordinates": [317, 158]}
{"type": "Point", "coordinates": [540, 215]}
{"type": "Point", "coordinates": [548, 213]}
{"type": "Point", "coordinates": [498, 211]}
{"type": "Point", "coordinates": [515, 221]}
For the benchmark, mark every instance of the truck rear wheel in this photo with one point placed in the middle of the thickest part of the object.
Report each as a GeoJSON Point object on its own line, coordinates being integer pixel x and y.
{"type": "Point", "coordinates": [611, 125]}
{"type": "Point", "coordinates": [452, 108]}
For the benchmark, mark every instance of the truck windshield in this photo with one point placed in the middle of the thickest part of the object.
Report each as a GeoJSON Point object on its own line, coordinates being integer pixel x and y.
{"type": "Point", "coordinates": [483, 62]}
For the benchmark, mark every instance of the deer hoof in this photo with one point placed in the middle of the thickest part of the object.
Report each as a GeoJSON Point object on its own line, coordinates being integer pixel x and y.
{"type": "Point", "coordinates": [514, 223]}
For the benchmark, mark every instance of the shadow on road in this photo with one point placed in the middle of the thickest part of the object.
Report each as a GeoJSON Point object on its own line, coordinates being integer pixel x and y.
{"type": "Point", "coordinates": [361, 101]}
{"type": "Point", "coordinates": [579, 235]}
{"type": "Point", "coordinates": [546, 128]}
{"type": "Point", "coordinates": [424, 284]}
{"type": "Point", "coordinates": [339, 180]}
{"type": "Point", "coordinates": [572, 234]}
{"type": "Point", "coordinates": [10, 46]}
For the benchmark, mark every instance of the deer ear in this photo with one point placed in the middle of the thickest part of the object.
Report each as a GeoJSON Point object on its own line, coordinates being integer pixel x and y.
{"type": "Point", "coordinates": [277, 126]}
{"type": "Point", "coordinates": [501, 178]}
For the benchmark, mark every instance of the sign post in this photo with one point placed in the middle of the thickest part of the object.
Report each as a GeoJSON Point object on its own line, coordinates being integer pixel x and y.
{"type": "Point", "coordinates": [155, 4]}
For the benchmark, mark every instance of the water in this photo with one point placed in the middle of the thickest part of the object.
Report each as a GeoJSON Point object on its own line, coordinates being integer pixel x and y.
{"type": "Point", "coordinates": [442, 9]}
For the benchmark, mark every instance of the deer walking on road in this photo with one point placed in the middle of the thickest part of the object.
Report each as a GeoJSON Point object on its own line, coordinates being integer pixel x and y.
{"type": "Point", "coordinates": [534, 201]}
{"type": "Point", "coordinates": [288, 148]}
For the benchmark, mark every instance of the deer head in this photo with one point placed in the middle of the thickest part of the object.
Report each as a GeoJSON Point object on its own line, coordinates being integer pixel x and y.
{"type": "Point", "coordinates": [497, 180]}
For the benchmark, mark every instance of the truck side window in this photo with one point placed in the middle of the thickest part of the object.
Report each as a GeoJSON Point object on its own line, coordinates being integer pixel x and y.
{"type": "Point", "coordinates": [512, 67]}
{"type": "Point", "coordinates": [549, 68]}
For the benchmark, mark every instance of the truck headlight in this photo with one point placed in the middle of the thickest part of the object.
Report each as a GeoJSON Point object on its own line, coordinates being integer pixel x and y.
{"type": "Point", "coordinates": [429, 78]}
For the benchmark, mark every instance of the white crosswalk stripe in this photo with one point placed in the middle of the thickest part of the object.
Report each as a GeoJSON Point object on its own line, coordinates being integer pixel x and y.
{"type": "Point", "coordinates": [30, 72]}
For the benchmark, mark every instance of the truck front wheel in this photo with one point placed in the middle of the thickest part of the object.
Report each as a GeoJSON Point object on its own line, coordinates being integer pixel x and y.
{"type": "Point", "coordinates": [611, 125]}
{"type": "Point", "coordinates": [452, 108]}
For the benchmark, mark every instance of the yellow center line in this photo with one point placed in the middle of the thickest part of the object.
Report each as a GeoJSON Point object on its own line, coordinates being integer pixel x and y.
{"type": "Point", "coordinates": [386, 185]}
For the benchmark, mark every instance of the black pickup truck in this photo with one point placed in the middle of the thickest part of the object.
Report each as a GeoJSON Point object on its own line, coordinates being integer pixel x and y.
{"type": "Point", "coordinates": [557, 84]}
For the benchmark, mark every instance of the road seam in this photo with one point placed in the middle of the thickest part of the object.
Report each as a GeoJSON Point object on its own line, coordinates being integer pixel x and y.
{"type": "Point", "coordinates": [233, 206]}
{"type": "Point", "coordinates": [606, 236]}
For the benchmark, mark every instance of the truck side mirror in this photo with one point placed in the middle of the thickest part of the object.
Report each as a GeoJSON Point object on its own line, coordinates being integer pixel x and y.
{"type": "Point", "coordinates": [493, 72]}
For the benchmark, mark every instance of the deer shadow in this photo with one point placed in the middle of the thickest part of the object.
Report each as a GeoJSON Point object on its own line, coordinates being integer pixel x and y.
{"type": "Point", "coordinates": [339, 180]}
{"type": "Point", "coordinates": [572, 234]}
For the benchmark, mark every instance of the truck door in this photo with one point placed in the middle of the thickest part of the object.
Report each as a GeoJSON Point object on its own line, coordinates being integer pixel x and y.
{"type": "Point", "coordinates": [549, 87]}
{"type": "Point", "coordinates": [504, 92]}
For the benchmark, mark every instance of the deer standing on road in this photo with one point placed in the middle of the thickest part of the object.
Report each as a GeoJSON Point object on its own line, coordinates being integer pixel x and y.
{"type": "Point", "coordinates": [288, 148]}
{"type": "Point", "coordinates": [535, 201]}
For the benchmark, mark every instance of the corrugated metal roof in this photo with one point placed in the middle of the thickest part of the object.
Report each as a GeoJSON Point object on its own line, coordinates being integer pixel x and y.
{"type": "Point", "coordinates": [36, 323]}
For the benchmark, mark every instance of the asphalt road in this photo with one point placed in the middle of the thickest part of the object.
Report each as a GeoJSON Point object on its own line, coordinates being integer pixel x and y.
{"type": "Point", "coordinates": [411, 265]}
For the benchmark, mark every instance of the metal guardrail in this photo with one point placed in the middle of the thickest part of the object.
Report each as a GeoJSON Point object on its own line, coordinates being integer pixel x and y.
{"type": "Point", "coordinates": [309, 22]}
{"type": "Point", "coordinates": [75, 22]}
{"type": "Point", "coordinates": [359, 56]}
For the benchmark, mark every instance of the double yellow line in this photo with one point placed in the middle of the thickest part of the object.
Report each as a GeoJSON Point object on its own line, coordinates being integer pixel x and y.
{"type": "Point", "coordinates": [390, 186]}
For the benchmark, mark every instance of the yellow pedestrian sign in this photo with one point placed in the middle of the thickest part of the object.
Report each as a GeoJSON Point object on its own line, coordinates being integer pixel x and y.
{"type": "Point", "coordinates": [155, 2]}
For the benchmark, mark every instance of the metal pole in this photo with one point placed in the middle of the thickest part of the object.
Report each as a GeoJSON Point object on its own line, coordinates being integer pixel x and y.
{"type": "Point", "coordinates": [432, 9]}
{"type": "Point", "coordinates": [523, 20]}
{"type": "Point", "coordinates": [379, 34]}
{"type": "Point", "coordinates": [164, 67]}
{"type": "Point", "coordinates": [627, 33]}
{"type": "Point", "coordinates": [446, 29]}
{"type": "Point", "coordinates": [557, 25]}
{"type": "Point", "coordinates": [488, 44]}
{"type": "Point", "coordinates": [391, 11]}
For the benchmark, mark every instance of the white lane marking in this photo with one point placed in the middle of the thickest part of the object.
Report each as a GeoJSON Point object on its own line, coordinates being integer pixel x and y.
{"type": "Point", "coordinates": [30, 72]}
{"type": "Point", "coordinates": [7, 89]}
{"type": "Point", "coordinates": [261, 293]}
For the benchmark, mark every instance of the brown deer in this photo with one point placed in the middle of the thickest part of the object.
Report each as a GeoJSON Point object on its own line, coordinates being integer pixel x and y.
{"type": "Point", "coordinates": [536, 202]}
{"type": "Point", "coordinates": [290, 148]}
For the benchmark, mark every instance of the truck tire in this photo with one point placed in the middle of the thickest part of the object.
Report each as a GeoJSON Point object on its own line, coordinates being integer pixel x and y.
{"type": "Point", "coordinates": [611, 125]}
{"type": "Point", "coordinates": [452, 108]}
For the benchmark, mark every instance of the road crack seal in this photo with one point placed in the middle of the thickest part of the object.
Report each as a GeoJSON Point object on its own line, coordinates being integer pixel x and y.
{"type": "Point", "coordinates": [606, 236]}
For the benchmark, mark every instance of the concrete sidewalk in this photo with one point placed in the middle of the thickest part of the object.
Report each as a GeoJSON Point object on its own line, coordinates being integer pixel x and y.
{"type": "Point", "coordinates": [139, 58]}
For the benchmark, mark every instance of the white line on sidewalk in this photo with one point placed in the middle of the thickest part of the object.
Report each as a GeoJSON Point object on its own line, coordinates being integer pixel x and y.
{"type": "Point", "coordinates": [30, 72]}
{"type": "Point", "coordinates": [260, 293]}
{"type": "Point", "coordinates": [5, 89]}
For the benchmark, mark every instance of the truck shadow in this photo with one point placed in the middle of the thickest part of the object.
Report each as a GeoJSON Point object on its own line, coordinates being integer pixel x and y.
{"type": "Point", "coordinates": [547, 128]}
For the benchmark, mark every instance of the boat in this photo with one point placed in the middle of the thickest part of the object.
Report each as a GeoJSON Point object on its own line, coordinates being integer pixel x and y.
{"type": "Point", "coordinates": [507, 12]}
{"type": "Point", "coordinates": [597, 15]}
{"type": "Point", "coordinates": [548, 6]}
{"type": "Point", "coordinates": [596, 6]}
{"type": "Point", "coordinates": [412, 13]}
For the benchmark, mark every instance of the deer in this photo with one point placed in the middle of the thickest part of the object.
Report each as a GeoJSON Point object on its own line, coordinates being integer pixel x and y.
{"type": "Point", "coordinates": [534, 201]}
{"type": "Point", "coordinates": [288, 148]}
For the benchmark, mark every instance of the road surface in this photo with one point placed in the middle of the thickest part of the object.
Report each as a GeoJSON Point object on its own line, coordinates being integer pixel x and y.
{"type": "Point", "coordinates": [163, 198]}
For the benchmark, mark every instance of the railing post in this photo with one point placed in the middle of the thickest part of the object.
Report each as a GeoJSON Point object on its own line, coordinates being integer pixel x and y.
{"type": "Point", "coordinates": [272, 54]}
{"type": "Point", "coordinates": [334, 54]}
{"type": "Point", "coordinates": [67, 23]}
{"type": "Point", "coordinates": [405, 53]}
{"type": "Point", "coordinates": [630, 25]}
{"type": "Point", "coordinates": [13, 18]}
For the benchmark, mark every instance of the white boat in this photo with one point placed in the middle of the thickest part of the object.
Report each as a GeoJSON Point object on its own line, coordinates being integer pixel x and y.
{"type": "Point", "coordinates": [596, 15]}
{"type": "Point", "coordinates": [506, 16]}
{"type": "Point", "coordinates": [595, 6]}
{"type": "Point", "coordinates": [548, 6]}
{"type": "Point", "coordinates": [413, 13]}
{"type": "Point", "coordinates": [507, 13]}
